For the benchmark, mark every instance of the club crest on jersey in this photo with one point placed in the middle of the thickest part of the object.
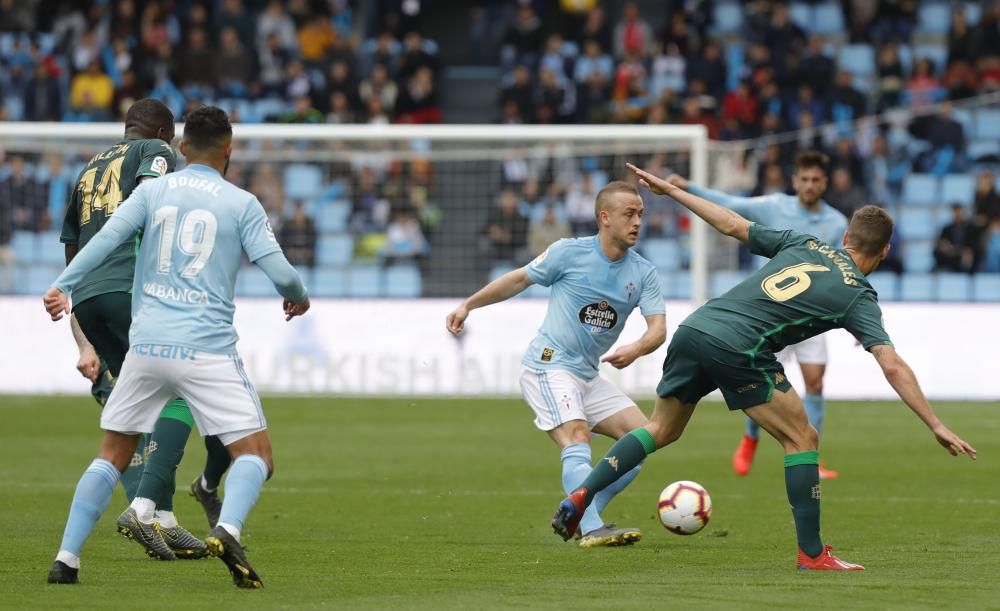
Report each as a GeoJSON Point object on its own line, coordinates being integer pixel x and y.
{"type": "Point", "coordinates": [629, 290]}
{"type": "Point", "coordinates": [598, 318]}
{"type": "Point", "coordinates": [159, 166]}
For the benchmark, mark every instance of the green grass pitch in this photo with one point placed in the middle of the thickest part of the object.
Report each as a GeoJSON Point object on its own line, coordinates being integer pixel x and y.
{"type": "Point", "coordinates": [445, 504]}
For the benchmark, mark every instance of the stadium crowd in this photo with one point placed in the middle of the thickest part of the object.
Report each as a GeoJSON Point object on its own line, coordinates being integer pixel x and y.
{"type": "Point", "coordinates": [771, 76]}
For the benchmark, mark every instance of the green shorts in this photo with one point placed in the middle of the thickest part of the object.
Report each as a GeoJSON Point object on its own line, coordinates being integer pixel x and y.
{"type": "Point", "coordinates": [697, 364]}
{"type": "Point", "coordinates": [105, 320]}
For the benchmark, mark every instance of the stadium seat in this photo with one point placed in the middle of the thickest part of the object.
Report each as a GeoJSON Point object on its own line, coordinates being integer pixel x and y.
{"type": "Point", "coordinates": [34, 279]}
{"type": "Point", "coordinates": [920, 190]}
{"type": "Point", "coordinates": [49, 249]}
{"type": "Point", "coordinates": [986, 287]}
{"type": "Point", "coordinates": [828, 19]}
{"type": "Point", "coordinates": [24, 244]}
{"type": "Point", "coordinates": [735, 62]}
{"type": "Point", "coordinates": [727, 18]}
{"type": "Point", "coordinates": [918, 223]}
{"type": "Point", "coordinates": [14, 107]}
{"type": "Point", "coordinates": [886, 284]}
{"type": "Point", "coordinates": [663, 253]}
{"type": "Point", "coordinates": [918, 255]}
{"type": "Point", "coordinates": [958, 188]}
{"type": "Point", "coordinates": [953, 287]}
{"type": "Point", "coordinates": [334, 249]}
{"type": "Point", "coordinates": [722, 281]}
{"type": "Point", "coordinates": [934, 18]}
{"type": "Point", "coordinates": [859, 59]}
{"type": "Point", "coordinates": [364, 281]}
{"type": "Point", "coordinates": [936, 53]}
{"type": "Point", "coordinates": [269, 108]}
{"type": "Point", "coordinates": [302, 181]}
{"type": "Point", "coordinates": [801, 15]}
{"type": "Point", "coordinates": [333, 216]}
{"type": "Point", "coordinates": [917, 287]}
{"type": "Point", "coordinates": [402, 281]}
{"type": "Point", "coordinates": [329, 282]}
{"type": "Point", "coordinates": [982, 150]}
{"type": "Point", "coordinates": [973, 13]}
{"type": "Point", "coordinates": [253, 282]}
{"type": "Point", "coordinates": [676, 285]}
{"type": "Point", "coordinates": [988, 124]}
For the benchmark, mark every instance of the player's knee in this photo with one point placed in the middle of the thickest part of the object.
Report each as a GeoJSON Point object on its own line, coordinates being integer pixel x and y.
{"type": "Point", "coordinates": [814, 385]}
{"type": "Point", "coordinates": [663, 435]}
{"type": "Point", "coordinates": [806, 439]}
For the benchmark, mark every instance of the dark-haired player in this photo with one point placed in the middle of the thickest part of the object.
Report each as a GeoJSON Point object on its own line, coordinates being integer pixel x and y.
{"type": "Point", "coordinates": [729, 343]}
{"type": "Point", "coordinates": [102, 307]}
{"type": "Point", "coordinates": [804, 212]}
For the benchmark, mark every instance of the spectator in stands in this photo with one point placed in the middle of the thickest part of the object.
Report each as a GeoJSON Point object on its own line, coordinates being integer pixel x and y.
{"type": "Point", "coordinates": [379, 85]}
{"type": "Point", "coordinates": [709, 67]}
{"type": "Point", "coordinates": [275, 21]}
{"type": "Point", "coordinates": [302, 112]}
{"type": "Point", "coordinates": [884, 170]}
{"type": "Point", "coordinates": [546, 230]}
{"type": "Point", "coordinates": [947, 139]}
{"type": "Point", "coordinates": [297, 237]}
{"type": "Point", "coordinates": [521, 92]}
{"type": "Point", "coordinates": [817, 68]}
{"type": "Point", "coordinates": [960, 80]}
{"type": "Point", "coordinates": [773, 182]}
{"type": "Point", "coordinates": [91, 93]}
{"type": "Point", "coordinates": [580, 199]}
{"type": "Point", "coordinates": [88, 50]}
{"type": "Point", "coordinates": [676, 34]}
{"type": "Point", "coordinates": [340, 109]}
{"type": "Point", "coordinates": [414, 57]}
{"type": "Point", "coordinates": [428, 214]}
{"type": "Point", "coordinates": [370, 210]}
{"type": "Point", "coordinates": [233, 65]}
{"type": "Point", "coordinates": [68, 27]}
{"type": "Point", "coordinates": [316, 40]}
{"type": "Point", "coordinates": [26, 197]}
{"type": "Point", "coordinates": [126, 94]}
{"type": "Point", "coordinates": [741, 106]}
{"type": "Point", "coordinates": [273, 60]}
{"type": "Point", "coordinates": [845, 154]}
{"type": "Point", "coordinates": [891, 78]}
{"type": "Point", "coordinates": [923, 87]}
{"type": "Point", "coordinates": [593, 100]}
{"type": "Point", "coordinates": [553, 59]}
{"type": "Point", "coordinates": [506, 231]}
{"type": "Point", "coordinates": [405, 242]}
{"type": "Point", "coordinates": [43, 96]}
{"type": "Point", "coordinates": [523, 38]}
{"type": "Point", "coordinates": [234, 15]}
{"type": "Point", "coordinates": [895, 20]}
{"type": "Point", "coordinates": [632, 34]}
{"type": "Point", "coordinates": [6, 252]}
{"type": "Point", "coordinates": [376, 113]}
{"type": "Point", "coordinates": [958, 247]}
{"type": "Point", "coordinates": [805, 101]}
{"type": "Point", "coordinates": [597, 28]}
{"type": "Point", "coordinates": [418, 100]}
{"type": "Point", "coordinates": [845, 102]}
{"type": "Point", "coordinates": [844, 194]}
{"type": "Point", "coordinates": [987, 201]}
{"type": "Point", "coordinates": [785, 40]}
{"type": "Point", "coordinates": [963, 42]}
{"type": "Point", "coordinates": [266, 185]}
{"type": "Point", "coordinates": [199, 60]}
{"type": "Point", "coordinates": [593, 60]}
{"type": "Point", "coordinates": [556, 93]}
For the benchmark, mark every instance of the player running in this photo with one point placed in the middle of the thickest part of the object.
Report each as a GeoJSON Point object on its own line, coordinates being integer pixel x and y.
{"type": "Point", "coordinates": [596, 283]}
{"type": "Point", "coordinates": [804, 212]}
{"type": "Point", "coordinates": [182, 337]}
{"type": "Point", "coordinates": [729, 343]}
{"type": "Point", "coordinates": [102, 313]}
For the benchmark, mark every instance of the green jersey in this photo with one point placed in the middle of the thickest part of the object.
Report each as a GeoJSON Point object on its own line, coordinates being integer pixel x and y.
{"type": "Point", "coordinates": [106, 181]}
{"type": "Point", "coordinates": [807, 288]}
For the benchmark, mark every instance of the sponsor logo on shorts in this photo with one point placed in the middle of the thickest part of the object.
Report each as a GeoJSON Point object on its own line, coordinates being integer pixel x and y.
{"type": "Point", "coordinates": [547, 354]}
{"type": "Point", "coordinates": [598, 318]}
{"type": "Point", "coordinates": [746, 388]}
{"type": "Point", "coordinates": [815, 492]}
{"type": "Point", "coordinates": [166, 352]}
{"type": "Point", "coordinates": [779, 378]}
{"type": "Point", "coordinates": [136, 460]}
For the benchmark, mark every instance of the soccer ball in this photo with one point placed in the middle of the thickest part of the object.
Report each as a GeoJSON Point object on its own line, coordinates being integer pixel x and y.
{"type": "Point", "coordinates": [684, 507]}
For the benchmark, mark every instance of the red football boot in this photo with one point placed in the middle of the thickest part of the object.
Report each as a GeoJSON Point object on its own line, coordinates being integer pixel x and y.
{"type": "Point", "coordinates": [567, 517]}
{"type": "Point", "coordinates": [825, 562]}
{"type": "Point", "coordinates": [743, 458]}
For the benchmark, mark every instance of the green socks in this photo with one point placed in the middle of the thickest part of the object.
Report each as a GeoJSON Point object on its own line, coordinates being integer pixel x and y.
{"type": "Point", "coordinates": [802, 487]}
{"type": "Point", "coordinates": [130, 478]}
{"type": "Point", "coordinates": [627, 453]}
{"type": "Point", "coordinates": [217, 460]}
{"type": "Point", "coordinates": [166, 448]}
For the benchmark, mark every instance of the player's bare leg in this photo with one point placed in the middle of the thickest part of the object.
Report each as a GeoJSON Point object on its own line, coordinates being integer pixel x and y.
{"type": "Point", "coordinates": [812, 375]}
{"type": "Point", "coordinates": [784, 418]}
{"type": "Point", "coordinates": [252, 466]}
{"type": "Point", "coordinates": [669, 419]}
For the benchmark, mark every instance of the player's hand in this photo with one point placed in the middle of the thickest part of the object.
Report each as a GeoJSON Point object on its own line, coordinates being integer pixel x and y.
{"type": "Point", "coordinates": [56, 303]}
{"type": "Point", "coordinates": [622, 357]}
{"type": "Point", "coordinates": [678, 181]}
{"type": "Point", "coordinates": [953, 443]}
{"type": "Point", "coordinates": [293, 309]}
{"type": "Point", "coordinates": [653, 183]}
{"type": "Point", "coordinates": [89, 364]}
{"type": "Point", "coordinates": [456, 320]}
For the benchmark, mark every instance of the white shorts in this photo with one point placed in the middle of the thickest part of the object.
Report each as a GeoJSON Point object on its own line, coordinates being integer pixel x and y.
{"type": "Point", "coordinates": [557, 396]}
{"type": "Point", "coordinates": [809, 352]}
{"type": "Point", "coordinates": [223, 402]}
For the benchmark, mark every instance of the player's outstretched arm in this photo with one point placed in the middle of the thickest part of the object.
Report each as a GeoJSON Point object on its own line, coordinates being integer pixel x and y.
{"type": "Point", "coordinates": [723, 220]}
{"type": "Point", "coordinates": [653, 338]}
{"type": "Point", "coordinates": [904, 382]}
{"type": "Point", "coordinates": [501, 289]}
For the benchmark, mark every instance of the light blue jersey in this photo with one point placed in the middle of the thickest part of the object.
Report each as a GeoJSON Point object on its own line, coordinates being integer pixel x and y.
{"type": "Point", "coordinates": [591, 298]}
{"type": "Point", "coordinates": [782, 211]}
{"type": "Point", "coordinates": [196, 227]}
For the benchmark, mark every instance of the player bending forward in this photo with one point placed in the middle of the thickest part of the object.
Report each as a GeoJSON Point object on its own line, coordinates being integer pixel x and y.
{"type": "Point", "coordinates": [804, 212]}
{"type": "Point", "coordinates": [729, 343]}
{"type": "Point", "coordinates": [596, 283]}
{"type": "Point", "coordinates": [183, 343]}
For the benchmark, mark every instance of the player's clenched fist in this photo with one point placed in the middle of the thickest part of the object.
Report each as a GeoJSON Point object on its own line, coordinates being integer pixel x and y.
{"type": "Point", "coordinates": [456, 320]}
{"type": "Point", "coordinates": [56, 303]}
{"type": "Point", "coordinates": [293, 309]}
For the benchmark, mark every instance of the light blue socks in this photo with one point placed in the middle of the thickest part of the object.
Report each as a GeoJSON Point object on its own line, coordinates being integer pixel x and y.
{"type": "Point", "coordinates": [93, 492]}
{"type": "Point", "coordinates": [576, 467]}
{"type": "Point", "coordinates": [243, 484]}
{"type": "Point", "coordinates": [815, 410]}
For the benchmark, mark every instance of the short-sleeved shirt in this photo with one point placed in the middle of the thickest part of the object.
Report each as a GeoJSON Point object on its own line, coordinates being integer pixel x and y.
{"type": "Point", "coordinates": [808, 287]}
{"type": "Point", "coordinates": [196, 227]}
{"type": "Point", "coordinates": [108, 180]}
{"type": "Point", "coordinates": [783, 211]}
{"type": "Point", "coordinates": [591, 298]}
